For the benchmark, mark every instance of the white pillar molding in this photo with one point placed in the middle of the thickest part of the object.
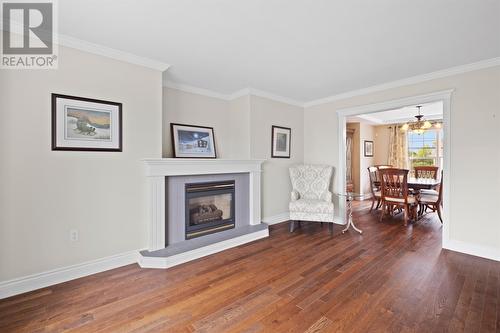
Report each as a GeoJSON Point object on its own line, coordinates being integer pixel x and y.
{"type": "Point", "coordinates": [255, 197]}
{"type": "Point", "coordinates": [156, 227]}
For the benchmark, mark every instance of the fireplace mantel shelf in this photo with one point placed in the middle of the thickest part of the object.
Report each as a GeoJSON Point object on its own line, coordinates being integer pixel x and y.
{"type": "Point", "coordinates": [199, 166]}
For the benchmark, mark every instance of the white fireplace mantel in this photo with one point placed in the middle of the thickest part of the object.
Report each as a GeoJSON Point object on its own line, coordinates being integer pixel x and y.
{"type": "Point", "coordinates": [158, 169]}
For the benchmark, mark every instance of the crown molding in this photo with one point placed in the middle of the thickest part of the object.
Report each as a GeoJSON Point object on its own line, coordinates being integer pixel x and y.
{"type": "Point", "coordinates": [369, 119]}
{"type": "Point", "coordinates": [105, 51]}
{"type": "Point", "coordinates": [385, 86]}
{"type": "Point", "coordinates": [101, 50]}
{"type": "Point", "coordinates": [195, 90]}
{"type": "Point", "coordinates": [230, 97]}
{"type": "Point", "coordinates": [274, 97]}
{"type": "Point", "coordinates": [409, 81]}
{"type": "Point", "coordinates": [240, 93]}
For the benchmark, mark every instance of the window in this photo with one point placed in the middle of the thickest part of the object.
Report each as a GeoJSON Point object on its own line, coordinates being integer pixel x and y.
{"type": "Point", "coordinates": [426, 149]}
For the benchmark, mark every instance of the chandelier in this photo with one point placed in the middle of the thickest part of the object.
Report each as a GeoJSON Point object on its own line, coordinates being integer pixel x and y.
{"type": "Point", "coordinates": [420, 125]}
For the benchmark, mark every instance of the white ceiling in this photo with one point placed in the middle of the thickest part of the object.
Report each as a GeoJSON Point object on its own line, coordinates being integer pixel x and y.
{"type": "Point", "coordinates": [431, 111]}
{"type": "Point", "coordinates": [299, 49]}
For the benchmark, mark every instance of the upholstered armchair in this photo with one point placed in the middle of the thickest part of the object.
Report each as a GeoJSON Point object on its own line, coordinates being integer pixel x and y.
{"type": "Point", "coordinates": [311, 199]}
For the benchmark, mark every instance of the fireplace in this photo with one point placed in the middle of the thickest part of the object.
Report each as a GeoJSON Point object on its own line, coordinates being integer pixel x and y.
{"type": "Point", "coordinates": [209, 207]}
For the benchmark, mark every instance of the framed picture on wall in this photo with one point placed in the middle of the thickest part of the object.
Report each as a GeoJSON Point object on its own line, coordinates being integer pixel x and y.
{"type": "Point", "coordinates": [368, 148]}
{"type": "Point", "coordinates": [280, 142]}
{"type": "Point", "coordinates": [86, 124]}
{"type": "Point", "coordinates": [190, 141]}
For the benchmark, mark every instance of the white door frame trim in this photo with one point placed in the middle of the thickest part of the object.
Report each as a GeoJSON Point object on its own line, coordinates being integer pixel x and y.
{"type": "Point", "coordinates": [443, 96]}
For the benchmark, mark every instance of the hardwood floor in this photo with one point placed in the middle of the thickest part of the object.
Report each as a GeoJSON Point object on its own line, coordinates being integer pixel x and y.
{"type": "Point", "coordinates": [390, 279]}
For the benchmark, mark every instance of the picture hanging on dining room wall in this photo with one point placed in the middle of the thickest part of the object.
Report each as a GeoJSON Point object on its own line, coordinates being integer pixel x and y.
{"type": "Point", "coordinates": [368, 148]}
{"type": "Point", "coordinates": [191, 141]}
{"type": "Point", "coordinates": [280, 142]}
{"type": "Point", "coordinates": [86, 124]}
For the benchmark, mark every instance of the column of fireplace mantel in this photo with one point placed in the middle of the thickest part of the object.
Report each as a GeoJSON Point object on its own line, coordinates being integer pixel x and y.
{"type": "Point", "coordinates": [158, 169]}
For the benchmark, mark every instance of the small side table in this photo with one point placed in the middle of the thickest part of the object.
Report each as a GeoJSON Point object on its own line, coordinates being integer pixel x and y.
{"type": "Point", "coordinates": [349, 197]}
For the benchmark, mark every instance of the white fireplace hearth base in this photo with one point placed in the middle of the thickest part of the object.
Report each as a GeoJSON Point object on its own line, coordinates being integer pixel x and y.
{"type": "Point", "coordinates": [180, 253]}
{"type": "Point", "coordinates": [162, 255]}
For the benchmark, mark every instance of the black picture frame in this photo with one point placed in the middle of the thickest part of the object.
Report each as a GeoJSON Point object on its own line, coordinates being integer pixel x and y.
{"type": "Point", "coordinates": [368, 148]}
{"type": "Point", "coordinates": [54, 111]}
{"type": "Point", "coordinates": [177, 154]}
{"type": "Point", "coordinates": [274, 152]}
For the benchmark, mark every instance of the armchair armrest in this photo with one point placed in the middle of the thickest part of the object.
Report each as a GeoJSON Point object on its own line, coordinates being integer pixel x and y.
{"type": "Point", "coordinates": [327, 196]}
{"type": "Point", "coordinates": [294, 195]}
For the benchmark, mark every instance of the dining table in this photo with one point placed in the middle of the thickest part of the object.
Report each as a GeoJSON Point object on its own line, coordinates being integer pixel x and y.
{"type": "Point", "coordinates": [418, 183]}
{"type": "Point", "coordinates": [423, 183]}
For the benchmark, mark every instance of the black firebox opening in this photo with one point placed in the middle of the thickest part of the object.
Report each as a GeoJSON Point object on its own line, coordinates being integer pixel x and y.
{"type": "Point", "coordinates": [209, 208]}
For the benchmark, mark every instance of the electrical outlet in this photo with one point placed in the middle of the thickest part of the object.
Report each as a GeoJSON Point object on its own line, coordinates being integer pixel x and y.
{"type": "Point", "coordinates": [73, 235]}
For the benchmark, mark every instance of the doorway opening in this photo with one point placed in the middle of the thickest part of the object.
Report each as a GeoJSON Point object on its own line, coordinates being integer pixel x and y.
{"type": "Point", "coordinates": [407, 134]}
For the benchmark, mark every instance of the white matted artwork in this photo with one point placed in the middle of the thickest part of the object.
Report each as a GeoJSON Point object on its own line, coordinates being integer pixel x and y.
{"type": "Point", "coordinates": [368, 148]}
{"type": "Point", "coordinates": [86, 124]}
{"type": "Point", "coordinates": [280, 142]}
{"type": "Point", "coordinates": [193, 141]}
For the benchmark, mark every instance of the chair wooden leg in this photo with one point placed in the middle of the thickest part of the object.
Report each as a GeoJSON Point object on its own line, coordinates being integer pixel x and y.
{"type": "Point", "coordinates": [406, 215]}
{"type": "Point", "coordinates": [383, 212]}
{"type": "Point", "coordinates": [438, 208]}
{"type": "Point", "coordinates": [378, 204]}
{"type": "Point", "coordinates": [292, 226]}
{"type": "Point", "coordinates": [373, 203]}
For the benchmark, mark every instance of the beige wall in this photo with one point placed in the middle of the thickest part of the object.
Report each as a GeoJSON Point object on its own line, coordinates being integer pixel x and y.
{"type": "Point", "coordinates": [475, 133]}
{"type": "Point", "coordinates": [276, 186]}
{"type": "Point", "coordinates": [360, 162]}
{"type": "Point", "coordinates": [230, 120]}
{"type": "Point", "coordinates": [44, 194]}
{"type": "Point", "coordinates": [242, 130]}
{"type": "Point", "coordinates": [381, 145]}
{"type": "Point", "coordinates": [366, 133]}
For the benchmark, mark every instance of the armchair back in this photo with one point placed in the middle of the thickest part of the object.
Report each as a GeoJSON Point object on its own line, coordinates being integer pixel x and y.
{"type": "Point", "coordinates": [311, 181]}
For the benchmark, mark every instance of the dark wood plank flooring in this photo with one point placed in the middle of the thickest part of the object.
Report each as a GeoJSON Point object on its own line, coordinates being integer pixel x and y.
{"type": "Point", "coordinates": [390, 279]}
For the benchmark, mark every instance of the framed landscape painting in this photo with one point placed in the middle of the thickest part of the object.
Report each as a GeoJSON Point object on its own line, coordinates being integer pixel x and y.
{"type": "Point", "coordinates": [85, 124]}
{"type": "Point", "coordinates": [191, 141]}
{"type": "Point", "coordinates": [280, 142]}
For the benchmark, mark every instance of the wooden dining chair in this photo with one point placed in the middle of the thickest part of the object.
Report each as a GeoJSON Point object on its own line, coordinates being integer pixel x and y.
{"type": "Point", "coordinates": [374, 187]}
{"type": "Point", "coordinates": [426, 172]}
{"type": "Point", "coordinates": [432, 201]}
{"type": "Point", "coordinates": [377, 174]}
{"type": "Point", "coordinates": [394, 193]}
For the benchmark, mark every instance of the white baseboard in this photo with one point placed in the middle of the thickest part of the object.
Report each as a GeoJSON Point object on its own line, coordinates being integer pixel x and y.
{"type": "Point", "coordinates": [177, 259]}
{"type": "Point", "coordinates": [473, 249]}
{"type": "Point", "coordinates": [277, 218]}
{"type": "Point", "coordinates": [63, 274]}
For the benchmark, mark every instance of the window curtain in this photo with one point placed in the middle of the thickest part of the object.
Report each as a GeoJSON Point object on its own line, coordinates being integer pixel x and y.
{"type": "Point", "coordinates": [398, 148]}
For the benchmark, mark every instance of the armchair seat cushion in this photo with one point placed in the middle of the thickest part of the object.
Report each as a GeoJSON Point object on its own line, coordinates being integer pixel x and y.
{"type": "Point", "coordinates": [311, 206]}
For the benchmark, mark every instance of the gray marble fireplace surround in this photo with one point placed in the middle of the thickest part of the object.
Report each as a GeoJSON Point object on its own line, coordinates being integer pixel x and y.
{"type": "Point", "coordinates": [167, 179]}
{"type": "Point", "coordinates": [176, 219]}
